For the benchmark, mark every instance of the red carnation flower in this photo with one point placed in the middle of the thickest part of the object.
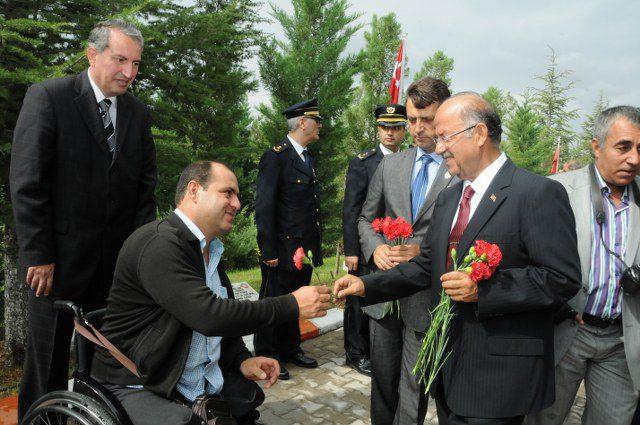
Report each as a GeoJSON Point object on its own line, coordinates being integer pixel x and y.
{"type": "Point", "coordinates": [480, 271]}
{"type": "Point", "coordinates": [298, 258]}
{"type": "Point", "coordinates": [492, 252]}
{"type": "Point", "coordinates": [377, 225]}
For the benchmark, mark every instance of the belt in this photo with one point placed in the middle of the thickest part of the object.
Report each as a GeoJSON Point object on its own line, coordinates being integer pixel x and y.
{"type": "Point", "coordinates": [600, 322]}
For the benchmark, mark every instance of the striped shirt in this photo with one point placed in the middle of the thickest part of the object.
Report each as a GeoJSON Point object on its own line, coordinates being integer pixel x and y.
{"type": "Point", "coordinates": [605, 296]}
{"type": "Point", "coordinates": [201, 372]}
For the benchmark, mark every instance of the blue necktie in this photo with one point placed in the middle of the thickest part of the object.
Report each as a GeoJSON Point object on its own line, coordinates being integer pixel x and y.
{"type": "Point", "coordinates": [419, 186]}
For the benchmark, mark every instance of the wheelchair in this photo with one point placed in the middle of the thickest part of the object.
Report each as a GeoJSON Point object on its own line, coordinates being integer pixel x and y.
{"type": "Point", "coordinates": [88, 403]}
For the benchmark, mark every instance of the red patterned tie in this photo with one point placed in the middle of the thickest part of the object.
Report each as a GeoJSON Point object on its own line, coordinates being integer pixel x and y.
{"type": "Point", "coordinates": [461, 222]}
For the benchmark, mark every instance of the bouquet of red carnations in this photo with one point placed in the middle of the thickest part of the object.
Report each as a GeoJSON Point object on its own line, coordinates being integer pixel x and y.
{"type": "Point", "coordinates": [480, 263]}
{"type": "Point", "coordinates": [396, 232]}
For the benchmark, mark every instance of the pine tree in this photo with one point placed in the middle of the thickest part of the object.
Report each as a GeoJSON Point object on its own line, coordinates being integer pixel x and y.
{"type": "Point", "coordinates": [310, 62]}
{"type": "Point", "coordinates": [377, 60]}
{"type": "Point", "coordinates": [525, 144]}
{"type": "Point", "coordinates": [502, 102]}
{"type": "Point", "coordinates": [437, 66]}
{"type": "Point", "coordinates": [582, 153]}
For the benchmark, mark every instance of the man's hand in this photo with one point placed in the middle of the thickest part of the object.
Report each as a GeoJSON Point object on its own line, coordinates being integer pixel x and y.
{"type": "Point", "coordinates": [351, 262]}
{"type": "Point", "coordinates": [40, 279]}
{"type": "Point", "coordinates": [403, 253]}
{"type": "Point", "coordinates": [381, 257]}
{"type": "Point", "coordinates": [261, 369]}
{"type": "Point", "coordinates": [578, 319]}
{"type": "Point", "coordinates": [313, 301]}
{"type": "Point", "coordinates": [348, 285]}
{"type": "Point", "coordinates": [460, 287]}
{"type": "Point", "coordinates": [271, 263]}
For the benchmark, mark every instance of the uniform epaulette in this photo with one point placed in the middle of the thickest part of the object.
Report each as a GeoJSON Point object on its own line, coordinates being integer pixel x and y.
{"type": "Point", "coordinates": [366, 154]}
{"type": "Point", "coordinates": [280, 147]}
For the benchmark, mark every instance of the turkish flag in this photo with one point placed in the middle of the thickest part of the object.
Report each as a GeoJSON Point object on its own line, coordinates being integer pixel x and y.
{"type": "Point", "coordinates": [556, 157]}
{"type": "Point", "coordinates": [395, 87]}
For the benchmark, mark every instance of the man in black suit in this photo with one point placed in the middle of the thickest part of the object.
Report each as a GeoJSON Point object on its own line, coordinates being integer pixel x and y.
{"type": "Point", "coordinates": [392, 121]}
{"type": "Point", "coordinates": [83, 174]}
{"type": "Point", "coordinates": [288, 217]}
{"type": "Point", "coordinates": [171, 309]}
{"type": "Point", "coordinates": [501, 340]}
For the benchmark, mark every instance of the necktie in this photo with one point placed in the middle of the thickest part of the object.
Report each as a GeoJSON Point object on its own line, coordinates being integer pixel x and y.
{"type": "Point", "coordinates": [103, 111]}
{"type": "Point", "coordinates": [307, 158]}
{"type": "Point", "coordinates": [461, 222]}
{"type": "Point", "coordinates": [419, 186]}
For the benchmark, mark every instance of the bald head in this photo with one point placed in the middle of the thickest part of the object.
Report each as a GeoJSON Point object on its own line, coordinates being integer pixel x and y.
{"type": "Point", "coordinates": [472, 109]}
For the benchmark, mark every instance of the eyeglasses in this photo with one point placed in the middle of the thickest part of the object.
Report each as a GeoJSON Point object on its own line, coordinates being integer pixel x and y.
{"type": "Point", "coordinates": [447, 139]}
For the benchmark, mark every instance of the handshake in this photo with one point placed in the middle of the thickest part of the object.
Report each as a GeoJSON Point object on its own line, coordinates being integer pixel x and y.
{"type": "Point", "coordinates": [313, 301]}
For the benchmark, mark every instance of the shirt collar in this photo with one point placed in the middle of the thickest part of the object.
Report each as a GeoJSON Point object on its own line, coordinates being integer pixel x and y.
{"type": "Point", "coordinates": [484, 179]}
{"type": "Point", "coordinates": [385, 151]}
{"type": "Point", "coordinates": [604, 187]}
{"type": "Point", "coordinates": [215, 248]}
{"type": "Point", "coordinates": [299, 149]}
{"type": "Point", "coordinates": [436, 158]}
{"type": "Point", "coordinates": [96, 90]}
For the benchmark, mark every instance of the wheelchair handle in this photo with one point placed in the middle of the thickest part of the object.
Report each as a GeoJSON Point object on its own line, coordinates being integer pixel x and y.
{"type": "Point", "coordinates": [68, 306]}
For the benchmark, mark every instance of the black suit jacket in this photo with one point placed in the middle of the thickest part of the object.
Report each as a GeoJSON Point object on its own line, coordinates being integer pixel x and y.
{"type": "Point", "coordinates": [501, 361]}
{"type": "Point", "coordinates": [359, 174]}
{"type": "Point", "coordinates": [71, 205]}
{"type": "Point", "coordinates": [159, 297]}
{"type": "Point", "coordinates": [287, 206]}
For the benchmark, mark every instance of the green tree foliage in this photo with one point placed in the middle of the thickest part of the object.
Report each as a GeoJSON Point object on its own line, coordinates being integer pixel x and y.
{"type": "Point", "coordinates": [582, 153]}
{"type": "Point", "coordinates": [377, 60]}
{"type": "Point", "coordinates": [525, 145]}
{"type": "Point", "coordinates": [502, 102]}
{"type": "Point", "coordinates": [309, 61]}
{"type": "Point", "coordinates": [551, 102]}
{"type": "Point", "coordinates": [437, 66]}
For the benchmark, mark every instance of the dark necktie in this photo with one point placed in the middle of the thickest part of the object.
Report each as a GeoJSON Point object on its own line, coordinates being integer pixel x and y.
{"type": "Point", "coordinates": [461, 222]}
{"type": "Point", "coordinates": [419, 186]}
{"type": "Point", "coordinates": [103, 111]}
{"type": "Point", "coordinates": [307, 159]}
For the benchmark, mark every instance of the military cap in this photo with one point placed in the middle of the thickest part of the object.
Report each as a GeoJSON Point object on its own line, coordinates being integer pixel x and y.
{"type": "Point", "coordinates": [308, 108]}
{"type": "Point", "coordinates": [391, 115]}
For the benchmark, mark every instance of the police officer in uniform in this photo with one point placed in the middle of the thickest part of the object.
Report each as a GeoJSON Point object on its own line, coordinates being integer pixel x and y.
{"type": "Point", "coordinates": [391, 120]}
{"type": "Point", "coordinates": [287, 215]}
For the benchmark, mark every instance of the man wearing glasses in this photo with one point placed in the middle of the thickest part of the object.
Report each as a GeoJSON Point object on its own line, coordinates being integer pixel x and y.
{"type": "Point", "coordinates": [406, 184]}
{"type": "Point", "coordinates": [288, 217]}
{"type": "Point", "coordinates": [500, 366]}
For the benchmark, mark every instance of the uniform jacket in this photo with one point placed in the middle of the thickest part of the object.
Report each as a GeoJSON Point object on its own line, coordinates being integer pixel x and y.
{"type": "Point", "coordinates": [390, 195]}
{"type": "Point", "coordinates": [578, 186]}
{"type": "Point", "coordinates": [501, 362]}
{"type": "Point", "coordinates": [359, 175]}
{"type": "Point", "coordinates": [72, 206]}
{"type": "Point", "coordinates": [287, 206]}
{"type": "Point", "coordinates": [159, 297]}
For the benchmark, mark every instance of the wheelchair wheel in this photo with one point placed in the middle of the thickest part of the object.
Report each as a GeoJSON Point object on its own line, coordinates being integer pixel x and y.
{"type": "Point", "coordinates": [65, 407]}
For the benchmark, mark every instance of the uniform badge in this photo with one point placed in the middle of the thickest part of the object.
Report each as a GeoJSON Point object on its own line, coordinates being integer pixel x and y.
{"type": "Point", "coordinates": [447, 175]}
{"type": "Point", "coordinates": [492, 197]}
{"type": "Point", "coordinates": [391, 109]}
{"type": "Point", "coordinates": [277, 148]}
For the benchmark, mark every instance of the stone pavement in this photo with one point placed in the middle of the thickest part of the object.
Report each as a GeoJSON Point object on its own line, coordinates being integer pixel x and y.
{"type": "Point", "coordinates": [334, 393]}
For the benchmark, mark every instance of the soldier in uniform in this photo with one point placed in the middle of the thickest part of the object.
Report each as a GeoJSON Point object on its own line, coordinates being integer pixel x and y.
{"type": "Point", "coordinates": [287, 215]}
{"type": "Point", "coordinates": [391, 120]}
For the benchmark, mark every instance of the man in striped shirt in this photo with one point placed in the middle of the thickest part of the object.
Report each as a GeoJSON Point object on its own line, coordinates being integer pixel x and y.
{"type": "Point", "coordinates": [597, 337]}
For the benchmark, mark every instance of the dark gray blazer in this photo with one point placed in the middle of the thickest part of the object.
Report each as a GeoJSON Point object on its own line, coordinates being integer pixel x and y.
{"type": "Point", "coordinates": [390, 195]}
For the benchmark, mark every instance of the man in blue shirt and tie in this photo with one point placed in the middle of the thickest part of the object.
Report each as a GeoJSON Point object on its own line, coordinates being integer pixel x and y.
{"type": "Point", "coordinates": [406, 184]}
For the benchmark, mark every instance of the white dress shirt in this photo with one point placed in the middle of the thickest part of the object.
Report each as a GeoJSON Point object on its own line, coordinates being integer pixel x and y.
{"type": "Point", "coordinates": [113, 109]}
{"type": "Point", "coordinates": [384, 150]}
{"type": "Point", "coordinates": [480, 186]}
{"type": "Point", "coordinates": [299, 149]}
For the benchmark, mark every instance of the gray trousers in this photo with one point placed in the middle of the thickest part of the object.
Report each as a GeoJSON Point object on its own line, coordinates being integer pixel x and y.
{"type": "Point", "coordinates": [597, 356]}
{"type": "Point", "coordinates": [396, 396]}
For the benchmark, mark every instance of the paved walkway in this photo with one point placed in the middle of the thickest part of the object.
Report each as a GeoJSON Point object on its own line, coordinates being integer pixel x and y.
{"type": "Point", "coordinates": [333, 393]}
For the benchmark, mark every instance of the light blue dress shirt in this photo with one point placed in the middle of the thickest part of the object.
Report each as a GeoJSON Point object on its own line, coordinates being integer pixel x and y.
{"type": "Point", "coordinates": [202, 374]}
{"type": "Point", "coordinates": [432, 170]}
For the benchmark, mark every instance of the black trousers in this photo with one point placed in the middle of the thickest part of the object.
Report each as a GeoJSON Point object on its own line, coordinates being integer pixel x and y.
{"type": "Point", "coordinates": [46, 364]}
{"type": "Point", "coordinates": [282, 340]}
{"type": "Point", "coordinates": [356, 326]}
{"type": "Point", "coordinates": [447, 417]}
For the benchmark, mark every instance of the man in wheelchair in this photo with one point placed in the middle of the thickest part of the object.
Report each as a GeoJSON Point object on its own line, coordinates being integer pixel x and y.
{"type": "Point", "coordinates": [171, 311]}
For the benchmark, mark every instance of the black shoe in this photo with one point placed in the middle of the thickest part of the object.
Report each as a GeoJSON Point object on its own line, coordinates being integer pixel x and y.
{"type": "Point", "coordinates": [299, 359]}
{"type": "Point", "coordinates": [284, 373]}
{"type": "Point", "coordinates": [362, 365]}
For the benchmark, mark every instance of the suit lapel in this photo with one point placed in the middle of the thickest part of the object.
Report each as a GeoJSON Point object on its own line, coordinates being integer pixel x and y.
{"type": "Point", "coordinates": [634, 228]}
{"type": "Point", "coordinates": [122, 122]}
{"type": "Point", "coordinates": [87, 105]}
{"type": "Point", "coordinates": [442, 180]}
{"type": "Point", "coordinates": [581, 189]}
{"type": "Point", "coordinates": [406, 177]}
{"type": "Point", "coordinates": [297, 162]}
{"type": "Point", "coordinates": [495, 195]}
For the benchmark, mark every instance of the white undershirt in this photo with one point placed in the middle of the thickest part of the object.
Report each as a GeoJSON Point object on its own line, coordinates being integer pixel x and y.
{"type": "Point", "coordinates": [299, 149]}
{"type": "Point", "coordinates": [480, 185]}
{"type": "Point", "coordinates": [113, 109]}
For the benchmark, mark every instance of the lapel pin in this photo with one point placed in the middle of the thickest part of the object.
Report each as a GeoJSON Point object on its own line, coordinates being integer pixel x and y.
{"type": "Point", "coordinates": [447, 175]}
{"type": "Point", "coordinates": [492, 197]}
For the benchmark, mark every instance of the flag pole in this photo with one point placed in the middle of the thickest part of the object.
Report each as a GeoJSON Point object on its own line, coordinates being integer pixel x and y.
{"type": "Point", "coordinates": [402, 97]}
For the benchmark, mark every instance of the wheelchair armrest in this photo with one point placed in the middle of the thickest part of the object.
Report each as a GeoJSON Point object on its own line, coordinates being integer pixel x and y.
{"type": "Point", "coordinates": [68, 306]}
